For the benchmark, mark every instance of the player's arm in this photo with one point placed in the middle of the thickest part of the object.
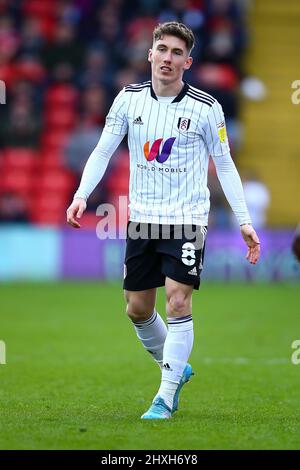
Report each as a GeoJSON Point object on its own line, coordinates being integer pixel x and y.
{"type": "Point", "coordinates": [233, 190]}
{"type": "Point", "coordinates": [229, 178]}
{"type": "Point", "coordinates": [113, 133]}
{"type": "Point", "coordinates": [92, 174]}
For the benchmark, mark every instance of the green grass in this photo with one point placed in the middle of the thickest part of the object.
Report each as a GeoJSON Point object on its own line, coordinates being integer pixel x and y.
{"type": "Point", "coordinates": [77, 378]}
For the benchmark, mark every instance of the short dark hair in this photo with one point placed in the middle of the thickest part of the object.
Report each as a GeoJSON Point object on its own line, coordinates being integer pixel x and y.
{"type": "Point", "coordinates": [173, 28]}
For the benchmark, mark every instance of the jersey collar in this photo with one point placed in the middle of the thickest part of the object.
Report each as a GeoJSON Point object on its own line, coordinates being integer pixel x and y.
{"type": "Point", "coordinates": [178, 98]}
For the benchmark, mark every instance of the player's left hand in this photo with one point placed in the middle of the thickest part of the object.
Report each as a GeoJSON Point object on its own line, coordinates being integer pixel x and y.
{"type": "Point", "coordinates": [252, 241]}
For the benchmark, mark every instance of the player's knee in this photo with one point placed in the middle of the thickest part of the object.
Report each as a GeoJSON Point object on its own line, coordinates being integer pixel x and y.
{"type": "Point", "coordinates": [137, 311]}
{"type": "Point", "coordinates": [178, 304]}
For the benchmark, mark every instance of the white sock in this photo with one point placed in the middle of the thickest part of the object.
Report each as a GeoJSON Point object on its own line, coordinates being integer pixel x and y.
{"type": "Point", "coordinates": [177, 349]}
{"type": "Point", "coordinates": [153, 333]}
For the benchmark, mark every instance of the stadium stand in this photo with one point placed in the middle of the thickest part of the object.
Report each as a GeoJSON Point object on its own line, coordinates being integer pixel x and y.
{"type": "Point", "coordinates": [64, 61]}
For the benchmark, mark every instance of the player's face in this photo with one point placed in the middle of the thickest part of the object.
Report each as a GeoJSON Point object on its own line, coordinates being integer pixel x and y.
{"type": "Point", "coordinates": [169, 59]}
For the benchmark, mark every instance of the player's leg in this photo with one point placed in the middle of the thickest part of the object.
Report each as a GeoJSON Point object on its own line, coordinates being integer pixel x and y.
{"type": "Point", "coordinates": [179, 340]}
{"type": "Point", "coordinates": [181, 264]}
{"type": "Point", "coordinates": [177, 348]}
{"type": "Point", "coordinates": [148, 324]}
{"type": "Point", "coordinates": [142, 274]}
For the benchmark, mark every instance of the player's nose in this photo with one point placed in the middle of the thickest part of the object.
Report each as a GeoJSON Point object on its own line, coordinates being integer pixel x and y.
{"type": "Point", "coordinates": [168, 57]}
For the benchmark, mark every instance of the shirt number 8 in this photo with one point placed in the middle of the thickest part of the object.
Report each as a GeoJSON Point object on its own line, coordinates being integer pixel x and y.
{"type": "Point", "coordinates": [188, 256]}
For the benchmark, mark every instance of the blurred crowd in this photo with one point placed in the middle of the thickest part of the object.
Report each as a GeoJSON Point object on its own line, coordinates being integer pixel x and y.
{"type": "Point", "coordinates": [63, 62]}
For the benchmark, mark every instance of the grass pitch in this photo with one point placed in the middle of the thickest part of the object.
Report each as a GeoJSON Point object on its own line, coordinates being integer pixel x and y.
{"type": "Point", "coordinates": [77, 378]}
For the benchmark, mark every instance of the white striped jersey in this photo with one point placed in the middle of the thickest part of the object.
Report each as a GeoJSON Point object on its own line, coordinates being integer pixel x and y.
{"type": "Point", "coordinates": [169, 146]}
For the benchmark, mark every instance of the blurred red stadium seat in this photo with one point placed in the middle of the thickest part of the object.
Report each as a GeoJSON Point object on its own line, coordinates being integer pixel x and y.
{"type": "Point", "coordinates": [48, 207]}
{"type": "Point", "coordinates": [51, 160]}
{"type": "Point", "coordinates": [31, 70]}
{"type": "Point", "coordinates": [19, 182]}
{"type": "Point", "coordinates": [55, 180]}
{"type": "Point", "coordinates": [52, 201]}
{"type": "Point", "coordinates": [117, 182]}
{"type": "Point", "coordinates": [54, 140]}
{"type": "Point", "coordinates": [49, 217]}
{"type": "Point", "coordinates": [63, 119]}
{"type": "Point", "coordinates": [20, 158]}
{"type": "Point", "coordinates": [64, 95]}
{"type": "Point", "coordinates": [8, 73]}
{"type": "Point", "coordinates": [46, 8]}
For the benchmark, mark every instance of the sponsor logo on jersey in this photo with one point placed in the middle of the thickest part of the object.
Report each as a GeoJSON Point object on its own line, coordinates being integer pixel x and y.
{"type": "Point", "coordinates": [183, 124]}
{"type": "Point", "coordinates": [154, 153]}
{"type": "Point", "coordinates": [222, 131]}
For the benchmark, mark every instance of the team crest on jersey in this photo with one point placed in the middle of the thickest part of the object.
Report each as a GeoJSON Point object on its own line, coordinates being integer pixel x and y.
{"type": "Point", "coordinates": [183, 124]}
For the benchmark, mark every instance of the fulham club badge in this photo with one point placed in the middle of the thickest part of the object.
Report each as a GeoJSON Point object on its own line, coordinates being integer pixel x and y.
{"type": "Point", "coordinates": [183, 124]}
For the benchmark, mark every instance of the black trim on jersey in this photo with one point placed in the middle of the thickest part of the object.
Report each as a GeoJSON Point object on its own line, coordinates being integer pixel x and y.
{"type": "Point", "coordinates": [182, 93]}
{"type": "Point", "coordinates": [201, 99]}
{"type": "Point", "coordinates": [178, 98]}
{"type": "Point", "coordinates": [202, 94]}
{"type": "Point", "coordinates": [137, 87]}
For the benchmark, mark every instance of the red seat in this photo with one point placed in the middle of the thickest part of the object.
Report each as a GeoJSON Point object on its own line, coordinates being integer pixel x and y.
{"type": "Point", "coordinates": [63, 119]}
{"type": "Point", "coordinates": [37, 8]}
{"type": "Point", "coordinates": [52, 201]}
{"type": "Point", "coordinates": [51, 160]}
{"type": "Point", "coordinates": [16, 181]}
{"type": "Point", "coordinates": [49, 207]}
{"type": "Point", "coordinates": [20, 158]}
{"type": "Point", "coordinates": [8, 73]}
{"type": "Point", "coordinates": [117, 183]}
{"type": "Point", "coordinates": [31, 70]}
{"type": "Point", "coordinates": [49, 217]}
{"type": "Point", "coordinates": [55, 180]}
{"type": "Point", "coordinates": [54, 140]}
{"type": "Point", "coordinates": [64, 95]}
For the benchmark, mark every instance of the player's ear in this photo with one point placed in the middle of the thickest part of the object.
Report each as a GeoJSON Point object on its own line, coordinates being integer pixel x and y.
{"type": "Point", "coordinates": [188, 63]}
{"type": "Point", "coordinates": [150, 55]}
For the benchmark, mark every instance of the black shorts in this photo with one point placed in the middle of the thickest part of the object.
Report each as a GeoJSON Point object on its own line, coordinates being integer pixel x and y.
{"type": "Point", "coordinates": [154, 252]}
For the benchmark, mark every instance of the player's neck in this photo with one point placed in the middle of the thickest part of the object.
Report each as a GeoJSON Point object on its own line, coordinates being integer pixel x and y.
{"type": "Point", "coordinates": [170, 89]}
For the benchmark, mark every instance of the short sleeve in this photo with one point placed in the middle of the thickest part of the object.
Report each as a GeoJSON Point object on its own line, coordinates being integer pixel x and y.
{"type": "Point", "coordinates": [116, 120]}
{"type": "Point", "coordinates": [215, 134]}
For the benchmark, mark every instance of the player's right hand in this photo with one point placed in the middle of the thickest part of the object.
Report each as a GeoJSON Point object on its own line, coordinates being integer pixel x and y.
{"type": "Point", "coordinates": [75, 211]}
